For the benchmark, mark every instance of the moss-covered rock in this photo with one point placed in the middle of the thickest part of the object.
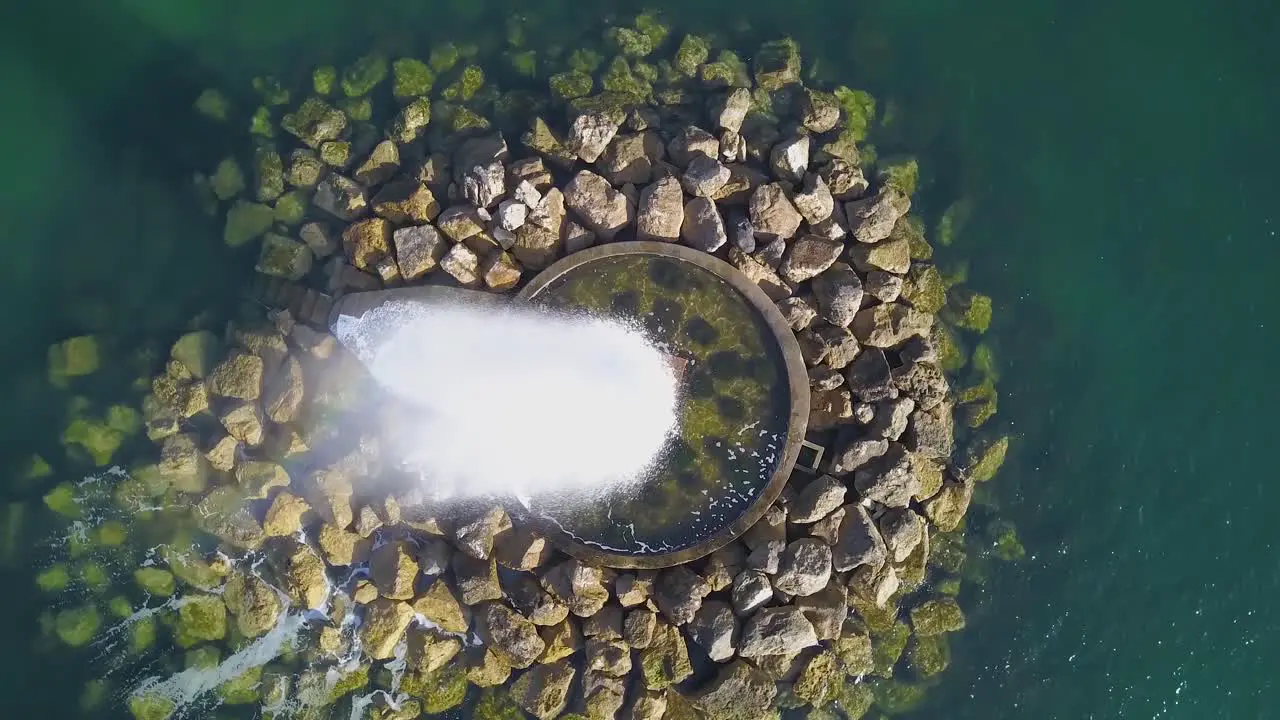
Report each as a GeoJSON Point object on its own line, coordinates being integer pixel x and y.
{"type": "Point", "coordinates": [53, 579]}
{"type": "Point", "coordinates": [72, 358]}
{"type": "Point", "coordinates": [928, 656]}
{"type": "Point", "coordinates": [937, 616]}
{"type": "Point", "coordinates": [151, 706]}
{"type": "Point", "coordinates": [243, 689]}
{"type": "Point", "coordinates": [629, 42]}
{"type": "Point", "coordinates": [213, 104]}
{"type": "Point", "coordinates": [411, 78]}
{"type": "Point", "coordinates": [271, 90]}
{"type": "Point", "coordinates": [156, 581]}
{"type": "Point", "coordinates": [443, 689]}
{"type": "Point", "coordinates": [694, 50]}
{"type": "Point", "coordinates": [570, 85]}
{"type": "Point", "coordinates": [246, 221]}
{"type": "Point", "coordinates": [227, 180]}
{"type": "Point", "coordinates": [495, 703]}
{"type": "Point", "coordinates": [364, 75]}
{"type": "Point", "coordinates": [77, 626]}
{"type": "Point", "coordinates": [985, 459]}
{"type": "Point", "coordinates": [859, 109]}
{"type": "Point", "coordinates": [854, 699]}
{"type": "Point", "coordinates": [93, 576]}
{"type": "Point", "coordinates": [953, 220]}
{"type": "Point", "coordinates": [896, 697]}
{"type": "Point", "coordinates": [142, 635]}
{"type": "Point", "coordinates": [357, 109]}
{"type": "Point", "coordinates": [64, 501]}
{"type": "Point", "coordinates": [1005, 543]}
{"type": "Point", "coordinates": [969, 310]}
{"type": "Point", "coordinates": [469, 82]}
{"type": "Point", "coordinates": [618, 78]}
{"type": "Point", "coordinates": [728, 70]}
{"type": "Point", "coordinates": [444, 57]}
{"type": "Point", "coordinates": [324, 79]}
{"type": "Point", "coordinates": [201, 618]}
{"type": "Point", "coordinates": [902, 173]}
{"type": "Point", "coordinates": [777, 64]}
{"type": "Point", "coordinates": [887, 647]}
{"type": "Point", "coordinates": [818, 679]}
{"type": "Point", "coordinates": [261, 123]}
{"type": "Point", "coordinates": [524, 63]}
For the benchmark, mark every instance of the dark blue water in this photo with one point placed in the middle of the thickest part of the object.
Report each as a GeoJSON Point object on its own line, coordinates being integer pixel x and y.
{"type": "Point", "coordinates": [1121, 158]}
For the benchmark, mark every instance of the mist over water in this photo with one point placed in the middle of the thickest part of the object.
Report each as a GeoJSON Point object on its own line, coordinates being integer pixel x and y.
{"type": "Point", "coordinates": [500, 401]}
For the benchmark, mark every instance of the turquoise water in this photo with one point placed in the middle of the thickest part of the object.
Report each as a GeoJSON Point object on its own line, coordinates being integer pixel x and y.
{"type": "Point", "coordinates": [1121, 158]}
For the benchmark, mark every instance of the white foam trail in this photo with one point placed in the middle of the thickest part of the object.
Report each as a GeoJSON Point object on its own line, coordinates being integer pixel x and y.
{"type": "Point", "coordinates": [515, 402]}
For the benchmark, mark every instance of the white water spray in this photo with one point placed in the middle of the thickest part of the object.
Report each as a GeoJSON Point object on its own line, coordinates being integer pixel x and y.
{"type": "Point", "coordinates": [515, 402]}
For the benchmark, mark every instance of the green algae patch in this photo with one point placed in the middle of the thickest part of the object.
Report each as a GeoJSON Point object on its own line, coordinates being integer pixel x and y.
{"type": "Point", "coordinates": [953, 220]}
{"type": "Point", "coordinates": [928, 656]}
{"type": "Point", "coordinates": [150, 706]}
{"type": "Point", "coordinates": [364, 75]}
{"type": "Point", "coordinates": [155, 581]}
{"type": "Point", "coordinates": [1005, 545]}
{"type": "Point", "coordinates": [142, 635]}
{"type": "Point", "coordinates": [323, 79]}
{"type": "Point", "coordinates": [111, 533]}
{"type": "Point", "coordinates": [72, 358]}
{"type": "Point", "coordinates": [446, 689]}
{"type": "Point", "coordinates": [213, 104]}
{"type": "Point", "coordinates": [970, 310]}
{"type": "Point", "coordinates": [985, 461]}
{"type": "Point", "coordinates": [903, 174]}
{"type": "Point", "coordinates": [53, 579]}
{"type": "Point", "coordinates": [694, 50]}
{"type": "Point", "coordinates": [93, 576]}
{"type": "Point", "coordinates": [242, 689]}
{"type": "Point", "coordinates": [246, 221]}
{"type": "Point", "coordinates": [63, 500]}
{"type": "Point", "coordinates": [859, 108]}
{"type": "Point", "coordinates": [411, 78]}
{"type": "Point", "coordinates": [77, 626]}
{"type": "Point", "coordinates": [937, 616]}
{"type": "Point", "coordinates": [201, 618]}
{"type": "Point", "coordinates": [570, 85]}
{"type": "Point", "coordinates": [228, 179]}
{"type": "Point", "coordinates": [896, 697]}
{"type": "Point", "coordinates": [887, 647]}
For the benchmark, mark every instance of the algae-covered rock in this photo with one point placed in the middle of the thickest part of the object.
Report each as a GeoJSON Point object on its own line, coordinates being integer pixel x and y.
{"type": "Point", "coordinates": [896, 697]}
{"type": "Point", "coordinates": [284, 257]}
{"type": "Point", "coordinates": [665, 661]}
{"type": "Point", "coordinates": [72, 358]}
{"type": "Point", "coordinates": [151, 706]}
{"type": "Point", "coordinates": [75, 627]}
{"type": "Point", "coordinates": [855, 653]}
{"type": "Point", "coordinates": [63, 500]}
{"type": "Point", "coordinates": [928, 656]}
{"type": "Point", "coordinates": [411, 78]}
{"type": "Point", "coordinates": [570, 85]}
{"type": "Point", "coordinates": [728, 70]}
{"type": "Point", "coordinates": [255, 605]}
{"type": "Point", "coordinates": [246, 221]}
{"type": "Point", "coordinates": [213, 104]}
{"type": "Point", "coordinates": [469, 82]}
{"type": "Point", "coordinates": [364, 75]}
{"type": "Point", "coordinates": [818, 679]}
{"type": "Point", "coordinates": [902, 174]}
{"type": "Point", "coordinates": [924, 288]}
{"type": "Point", "coordinates": [887, 647]}
{"type": "Point", "coordinates": [444, 57]}
{"type": "Point", "coordinates": [1005, 544]}
{"type": "Point", "coordinates": [260, 123]}
{"type": "Point", "coordinates": [268, 170]}
{"type": "Point", "coordinates": [201, 618]}
{"type": "Point", "coordinates": [156, 581]}
{"type": "Point", "coordinates": [777, 64]}
{"type": "Point", "coordinates": [384, 624]}
{"type": "Point", "coordinates": [323, 79]}
{"type": "Point", "coordinates": [937, 616]}
{"type": "Point", "coordinates": [93, 576]}
{"type": "Point", "coordinates": [242, 689]}
{"type": "Point", "coordinates": [495, 703]}
{"type": "Point", "coordinates": [629, 42]}
{"type": "Point", "coordinates": [227, 180]}
{"type": "Point", "coordinates": [53, 579]}
{"type": "Point", "coordinates": [693, 52]}
{"type": "Point", "coordinates": [739, 691]}
{"type": "Point", "coordinates": [543, 691]}
{"type": "Point", "coordinates": [969, 310]}
{"type": "Point", "coordinates": [985, 459]}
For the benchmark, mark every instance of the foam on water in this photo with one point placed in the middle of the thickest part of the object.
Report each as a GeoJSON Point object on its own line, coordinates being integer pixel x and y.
{"type": "Point", "coordinates": [516, 402]}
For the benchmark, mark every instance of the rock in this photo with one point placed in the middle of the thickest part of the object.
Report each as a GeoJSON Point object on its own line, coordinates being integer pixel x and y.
{"type": "Point", "coordinates": [543, 692]}
{"type": "Point", "coordinates": [284, 392]}
{"type": "Point", "coordinates": [528, 597]}
{"type": "Point", "coordinates": [772, 213]}
{"type": "Point", "coordinates": [872, 219]}
{"type": "Point", "coordinates": [410, 121]}
{"type": "Point", "coordinates": [805, 567]}
{"type": "Point", "coordinates": [484, 185]}
{"type": "Point", "coordinates": [341, 197]}
{"type": "Point", "coordinates": [255, 604]}
{"type": "Point", "coordinates": [751, 590]}
{"type": "Point", "coordinates": [485, 669]}
{"type": "Point", "coordinates": [380, 166]}
{"type": "Point", "coordinates": [284, 516]}
{"type": "Point", "coordinates": [606, 624]}
{"type": "Point", "coordinates": [789, 159]}
{"type": "Point", "coordinates": [577, 238]}
{"type": "Point", "coordinates": [630, 158]}
{"type": "Point", "coordinates": [703, 228]}
{"type": "Point", "coordinates": [283, 257]}
{"type": "Point", "coordinates": [690, 142]}
{"type": "Point", "coordinates": [891, 256]}
{"type": "Point", "coordinates": [367, 522]}
{"type": "Point", "coordinates": [304, 576]}
{"type": "Point", "coordinates": [870, 377]}
{"type": "Point", "coordinates": [239, 376]}
{"type": "Point", "coordinates": [723, 565]}
{"type": "Point", "coordinates": [578, 585]}
{"type": "Point", "coordinates": [257, 478]}
{"type": "Point", "coordinates": [817, 500]}
{"type": "Point", "coordinates": [845, 180]}
{"type": "Point", "coordinates": [510, 635]}
{"type": "Point", "coordinates": [679, 594]}
{"type": "Point", "coordinates": [512, 213]}
{"type": "Point", "coordinates": [475, 537]}
{"type": "Point", "coordinates": [384, 624]}
{"type": "Point", "coordinates": [902, 531]}
{"type": "Point", "coordinates": [883, 286]}
{"type": "Point", "coordinates": [766, 556]}
{"type": "Point", "coordinates": [320, 238]}
{"type": "Point", "coordinates": [540, 240]}
{"type": "Point", "coordinates": [639, 627]}
{"type": "Point", "coordinates": [798, 311]}
{"type": "Point", "coordinates": [419, 249]}
{"type": "Point", "coordinates": [826, 610]}
{"type": "Point", "coordinates": [777, 64]}
{"type": "Point", "coordinates": [924, 289]}
{"type": "Point", "coordinates": [763, 275]}
{"type": "Point", "coordinates": [439, 604]}
{"type": "Point", "coordinates": [947, 508]}
{"type": "Point", "coordinates": [519, 549]}
{"type": "Point", "coordinates": [603, 696]}
{"type": "Point", "coordinates": [814, 200]}
{"type": "Point", "coordinates": [434, 556]}
{"type": "Point", "coordinates": [771, 253]}
{"type": "Point", "coordinates": [462, 263]}
{"type": "Point", "coordinates": [715, 629]}
{"type": "Point", "coordinates": [461, 222]}
{"type": "Point", "coordinates": [632, 589]}
{"type": "Point", "coordinates": [809, 256]}
{"type": "Point", "coordinates": [243, 422]}
{"type": "Point", "coordinates": [776, 631]}
{"type": "Point", "coordinates": [858, 453]}
{"type": "Point", "coordinates": [405, 201]}
{"type": "Point", "coordinates": [889, 480]}
{"type": "Point", "coordinates": [429, 650]}
{"type": "Point", "coordinates": [477, 579]}
{"type": "Point", "coordinates": [819, 111]}
{"type": "Point", "coordinates": [828, 408]}
{"type": "Point", "coordinates": [734, 109]}
{"type": "Point", "coordinates": [602, 208]}
{"type": "Point", "coordinates": [890, 324]}
{"type": "Point", "coordinates": [394, 569]}
{"type": "Point", "coordinates": [838, 291]}
{"type": "Point", "coordinates": [662, 210]}
{"type": "Point", "coordinates": [704, 177]}
{"type": "Point", "coordinates": [827, 529]}
{"type": "Point", "coordinates": [591, 131]}
{"type": "Point", "coordinates": [314, 122]}
{"type": "Point", "coordinates": [611, 657]}
{"type": "Point", "coordinates": [859, 541]}
{"type": "Point", "coordinates": [891, 418]}
{"type": "Point", "coordinates": [923, 381]}
{"type": "Point", "coordinates": [342, 547]}
{"type": "Point", "coordinates": [739, 691]}
{"type": "Point", "coordinates": [937, 616]}
{"type": "Point", "coordinates": [366, 242]}
{"type": "Point", "coordinates": [665, 661]}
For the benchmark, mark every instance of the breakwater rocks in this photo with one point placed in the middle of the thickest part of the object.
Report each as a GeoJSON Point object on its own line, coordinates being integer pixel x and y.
{"type": "Point", "coordinates": [267, 547]}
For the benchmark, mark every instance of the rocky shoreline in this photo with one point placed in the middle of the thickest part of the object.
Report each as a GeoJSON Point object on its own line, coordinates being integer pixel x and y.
{"type": "Point", "coordinates": [400, 172]}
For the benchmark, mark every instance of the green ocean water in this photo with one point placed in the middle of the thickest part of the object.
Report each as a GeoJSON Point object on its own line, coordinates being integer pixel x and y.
{"type": "Point", "coordinates": [1121, 158]}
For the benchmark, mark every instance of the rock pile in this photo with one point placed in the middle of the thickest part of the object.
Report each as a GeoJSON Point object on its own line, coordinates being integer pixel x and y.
{"type": "Point", "coordinates": [848, 577]}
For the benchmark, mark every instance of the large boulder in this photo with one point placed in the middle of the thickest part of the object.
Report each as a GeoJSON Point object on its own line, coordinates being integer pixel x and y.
{"type": "Point", "coordinates": [902, 530]}
{"type": "Point", "coordinates": [858, 541]}
{"type": "Point", "coordinates": [602, 208]}
{"type": "Point", "coordinates": [808, 256]}
{"type": "Point", "coordinates": [739, 691]}
{"type": "Point", "coordinates": [816, 500]}
{"type": "Point", "coordinates": [510, 635]}
{"type": "Point", "coordinates": [772, 213]}
{"type": "Point", "coordinates": [890, 324]}
{"type": "Point", "coordinates": [703, 228]}
{"type": "Point", "coordinates": [804, 568]}
{"type": "Point", "coordinates": [947, 508]}
{"type": "Point", "coordinates": [679, 594]}
{"type": "Point", "coordinates": [839, 293]}
{"type": "Point", "coordinates": [341, 197]}
{"type": "Point", "coordinates": [665, 661]}
{"type": "Point", "coordinates": [591, 131]}
{"type": "Point", "coordinates": [661, 213]}
{"type": "Point", "coordinates": [890, 479]}
{"type": "Point", "coordinates": [394, 570]}
{"type": "Point", "coordinates": [419, 249]}
{"type": "Point", "coordinates": [777, 631]}
{"type": "Point", "coordinates": [543, 692]}
{"type": "Point", "coordinates": [578, 585]}
{"type": "Point", "coordinates": [255, 605]}
{"type": "Point", "coordinates": [439, 604]}
{"type": "Point", "coordinates": [871, 219]}
{"type": "Point", "coordinates": [367, 242]}
{"type": "Point", "coordinates": [384, 624]}
{"type": "Point", "coordinates": [715, 629]}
